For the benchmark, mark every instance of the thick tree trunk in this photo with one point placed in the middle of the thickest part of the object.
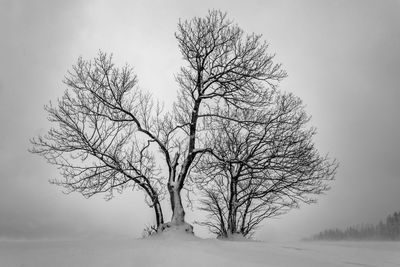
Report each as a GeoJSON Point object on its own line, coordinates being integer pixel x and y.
{"type": "Point", "coordinates": [175, 184]}
{"type": "Point", "coordinates": [178, 213]}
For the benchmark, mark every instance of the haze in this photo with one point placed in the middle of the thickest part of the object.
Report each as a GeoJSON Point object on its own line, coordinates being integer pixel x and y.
{"type": "Point", "coordinates": [342, 58]}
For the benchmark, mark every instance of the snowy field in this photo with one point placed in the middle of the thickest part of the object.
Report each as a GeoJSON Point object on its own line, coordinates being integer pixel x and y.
{"type": "Point", "coordinates": [195, 252]}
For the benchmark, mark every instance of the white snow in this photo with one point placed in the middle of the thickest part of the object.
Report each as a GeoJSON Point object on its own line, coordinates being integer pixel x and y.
{"type": "Point", "coordinates": [190, 251]}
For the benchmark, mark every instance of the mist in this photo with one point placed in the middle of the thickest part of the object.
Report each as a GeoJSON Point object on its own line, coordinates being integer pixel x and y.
{"type": "Point", "coordinates": [342, 58]}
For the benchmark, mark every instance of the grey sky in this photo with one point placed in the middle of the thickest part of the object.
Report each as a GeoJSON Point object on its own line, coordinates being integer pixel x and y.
{"type": "Point", "coordinates": [342, 57]}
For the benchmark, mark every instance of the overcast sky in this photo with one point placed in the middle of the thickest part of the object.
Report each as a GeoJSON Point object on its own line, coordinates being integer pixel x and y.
{"type": "Point", "coordinates": [342, 57]}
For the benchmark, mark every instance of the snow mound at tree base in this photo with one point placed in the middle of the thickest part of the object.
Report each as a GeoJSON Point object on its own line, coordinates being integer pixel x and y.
{"type": "Point", "coordinates": [171, 227]}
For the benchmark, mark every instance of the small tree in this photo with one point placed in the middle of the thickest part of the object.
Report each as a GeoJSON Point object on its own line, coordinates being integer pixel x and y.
{"type": "Point", "coordinates": [109, 131]}
{"type": "Point", "coordinates": [260, 168]}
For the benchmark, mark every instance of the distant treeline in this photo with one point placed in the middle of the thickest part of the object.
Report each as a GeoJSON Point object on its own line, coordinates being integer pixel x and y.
{"type": "Point", "coordinates": [389, 230]}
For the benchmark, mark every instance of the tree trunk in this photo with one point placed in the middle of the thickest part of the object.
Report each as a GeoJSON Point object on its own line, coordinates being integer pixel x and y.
{"type": "Point", "coordinates": [159, 214]}
{"type": "Point", "coordinates": [243, 227]}
{"type": "Point", "coordinates": [232, 207]}
{"type": "Point", "coordinates": [178, 213]}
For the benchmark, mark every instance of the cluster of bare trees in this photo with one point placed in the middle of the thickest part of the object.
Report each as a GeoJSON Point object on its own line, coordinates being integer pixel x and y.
{"type": "Point", "coordinates": [231, 133]}
{"type": "Point", "coordinates": [385, 230]}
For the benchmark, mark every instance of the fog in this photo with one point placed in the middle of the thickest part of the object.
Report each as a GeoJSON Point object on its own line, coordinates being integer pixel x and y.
{"type": "Point", "coordinates": [342, 58]}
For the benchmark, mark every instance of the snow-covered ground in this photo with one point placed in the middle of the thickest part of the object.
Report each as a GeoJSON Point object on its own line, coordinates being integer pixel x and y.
{"type": "Point", "coordinates": [194, 252]}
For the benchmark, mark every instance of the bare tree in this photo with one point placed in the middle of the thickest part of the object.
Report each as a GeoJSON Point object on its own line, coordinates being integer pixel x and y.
{"type": "Point", "coordinates": [101, 142]}
{"type": "Point", "coordinates": [225, 69]}
{"type": "Point", "coordinates": [261, 168]}
{"type": "Point", "coordinates": [112, 131]}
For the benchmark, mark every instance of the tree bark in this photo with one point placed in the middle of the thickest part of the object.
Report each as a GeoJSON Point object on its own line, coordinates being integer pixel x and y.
{"type": "Point", "coordinates": [178, 213]}
{"type": "Point", "coordinates": [243, 227]}
{"type": "Point", "coordinates": [175, 185]}
{"type": "Point", "coordinates": [159, 214]}
{"type": "Point", "coordinates": [232, 206]}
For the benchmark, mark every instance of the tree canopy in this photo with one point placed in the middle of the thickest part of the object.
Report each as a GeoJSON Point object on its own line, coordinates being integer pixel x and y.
{"type": "Point", "coordinates": [229, 124]}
